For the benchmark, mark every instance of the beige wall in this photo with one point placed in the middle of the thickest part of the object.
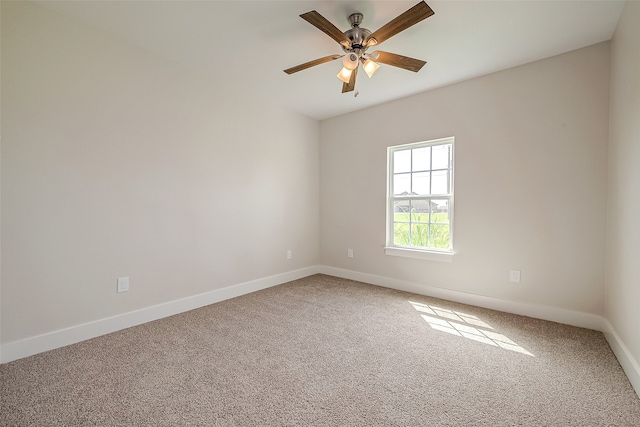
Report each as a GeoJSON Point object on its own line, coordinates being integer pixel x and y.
{"type": "Point", "coordinates": [117, 163]}
{"type": "Point", "coordinates": [530, 182]}
{"type": "Point", "coordinates": [623, 228]}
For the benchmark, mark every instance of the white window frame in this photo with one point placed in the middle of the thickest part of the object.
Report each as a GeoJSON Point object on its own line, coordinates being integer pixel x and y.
{"type": "Point", "coordinates": [433, 254]}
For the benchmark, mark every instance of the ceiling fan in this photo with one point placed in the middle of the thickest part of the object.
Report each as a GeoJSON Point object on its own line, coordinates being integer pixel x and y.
{"type": "Point", "coordinates": [356, 41]}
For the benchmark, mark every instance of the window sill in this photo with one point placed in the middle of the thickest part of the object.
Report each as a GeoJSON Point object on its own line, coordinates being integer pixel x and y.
{"type": "Point", "coordinates": [418, 254]}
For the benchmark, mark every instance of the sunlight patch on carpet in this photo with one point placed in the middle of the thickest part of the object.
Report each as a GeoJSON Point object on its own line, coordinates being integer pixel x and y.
{"type": "Point", "coordinates": [466, 326]}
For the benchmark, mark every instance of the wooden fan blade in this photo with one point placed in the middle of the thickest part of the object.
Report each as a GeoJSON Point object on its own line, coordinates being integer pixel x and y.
{"type": "Point", "coordinates": [349, 87]}
{"type": "Point", "coordinates": [399, 61]}
{"type": "Point", "coordinates": [411, 17]}
{"type": "Point", "coordinates": [311, 64]}
{"type": "Point", "coordinates": [320, 22]}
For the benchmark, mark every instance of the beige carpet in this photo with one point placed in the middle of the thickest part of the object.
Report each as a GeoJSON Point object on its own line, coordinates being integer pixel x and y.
{"type": "Point", "coordinates": [323, 351]}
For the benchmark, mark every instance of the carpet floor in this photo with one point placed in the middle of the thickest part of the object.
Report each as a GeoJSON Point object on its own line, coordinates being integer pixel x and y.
{"type": "Point", "coordinates": [324, 351]}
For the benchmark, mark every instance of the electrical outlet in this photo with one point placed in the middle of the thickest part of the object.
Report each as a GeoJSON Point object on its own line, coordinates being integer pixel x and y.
{"type": "Point", "coordinates": [514, 276]}
{"type": "Point", "coordinates": [123, 284]}
{"type": "Point", "coordinates": [289, 254]}
{"type": "Point", "coordinates": [350, 253]}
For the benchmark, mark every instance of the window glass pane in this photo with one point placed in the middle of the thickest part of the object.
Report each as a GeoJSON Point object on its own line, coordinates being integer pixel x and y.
{"type": "Point", "coordinates": [420, 183]}
{"type": "Point", "coordinates": [402, 161]}
{"type": "Point", "coordinates": [441, 156]}
{"type": "Point", "coordinates": [421, 159]}
{"type": "Point", "coordinates": [401, 234]}
{"type": "Point", "coordinates": [440, 182]}
{"type": "Point", "coordinates": [419, 211]}
{"type": "Point", "coordinates": [422, 174]}
{"type": "Point", "coordinates": [401, 184]}
{"type": "Point", "coordinates": [420, 235]}
{"type": "Point", "coordinates": [440, 211]}
{"type": "Point", "coordinates": [440, 236]}
{"type": "Point", "coordinates": [401, 209]}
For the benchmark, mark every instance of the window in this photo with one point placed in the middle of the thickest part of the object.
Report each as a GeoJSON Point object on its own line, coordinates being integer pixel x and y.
{"type": "Point", "coordinates": [420, 200]}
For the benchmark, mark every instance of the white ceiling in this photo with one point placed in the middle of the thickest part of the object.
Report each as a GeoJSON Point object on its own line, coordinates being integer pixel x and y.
{"type": "Point", "coordinates": [249, 43]}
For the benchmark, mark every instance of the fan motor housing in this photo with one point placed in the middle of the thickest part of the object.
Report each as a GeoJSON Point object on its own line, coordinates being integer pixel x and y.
{"type": "Point", "coordinates": [357, 35]}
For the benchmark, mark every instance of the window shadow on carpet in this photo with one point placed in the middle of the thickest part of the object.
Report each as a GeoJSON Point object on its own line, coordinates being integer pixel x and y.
{"type": "Point", "coordinates": [466, 326]}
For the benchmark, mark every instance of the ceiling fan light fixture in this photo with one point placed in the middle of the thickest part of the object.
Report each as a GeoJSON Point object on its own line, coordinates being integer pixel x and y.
{"type": "Point", "coordinates": [375, 55]}
{"type": "Point", "coordinates": [350, 61]}
{"type": "Point", "coordinates": [370, 67]}
{"type": "Point", "coordinates": [357, 40]}
{"type": "Point", "coordinates": [345, 74]}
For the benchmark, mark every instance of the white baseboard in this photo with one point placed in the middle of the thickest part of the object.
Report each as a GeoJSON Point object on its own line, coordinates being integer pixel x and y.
{"type": "Point", "coordinates": [60, 338]}
{"type": "Point", "coordinates": [627, 361]}
{"type": "Point", "coordinates": [538, 311]}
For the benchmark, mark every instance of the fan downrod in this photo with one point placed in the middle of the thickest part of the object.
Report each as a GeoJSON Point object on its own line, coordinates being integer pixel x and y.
{"type": "Point", "coordinates": [355, 34]}
{"type": "Point", "coordinates": [355, 19]}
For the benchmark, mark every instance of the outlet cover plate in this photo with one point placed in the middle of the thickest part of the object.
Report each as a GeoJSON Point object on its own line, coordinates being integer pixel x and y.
{"type": "Point", "coordinates": [514, 276]}
{"type": "Point", "coordinates": [123, 284]}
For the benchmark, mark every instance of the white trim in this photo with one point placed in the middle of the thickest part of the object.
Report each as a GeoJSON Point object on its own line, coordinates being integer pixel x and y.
{"type": "Point", "coordinates": [538, 311]}
{"type": "Point", "coordinates": [418, 254]}
{"type": "Point", "coordinates": [437, 141]}
{"type": "Point", "coordinates": [391, 198]}
{"type": "Point", "coordinates": [60, 338]}
{"type": "Point", "coordinates": [629, 365]}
